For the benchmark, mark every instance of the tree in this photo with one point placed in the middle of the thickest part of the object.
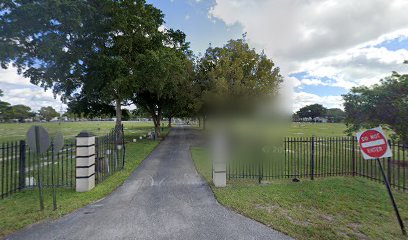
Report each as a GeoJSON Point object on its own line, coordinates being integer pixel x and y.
{"type": "Point", "coordinates": [311, 111]}
{"type": "Point", "coordinates": [335, 115]}
{"type": "Point", "coordinates": [79, 46]}
{"type": "Point", "coordinates": [234, 78]}
{"type": "Point", "coordinates": [4, 108]}
{"type": "Point", "coordinates": [133, 30]}
{"type": "Point", "coordinates": [47, 113]}
{"type": "Point", "coordinates": [89, 106]}
{"type": "Point", "coordinates": [19, 112]}
{"type": "Point", "coordinates": [163, 74]}
{"type": "Point", "coordinates": [384, 103]}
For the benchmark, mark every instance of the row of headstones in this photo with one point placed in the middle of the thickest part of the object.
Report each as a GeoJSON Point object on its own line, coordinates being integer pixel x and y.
{"type": "Point", "coordinates": [150, 135]}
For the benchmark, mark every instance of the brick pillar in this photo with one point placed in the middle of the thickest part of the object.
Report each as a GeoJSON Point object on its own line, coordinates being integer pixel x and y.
{"type": "Point", "coordinates": [85, 162]}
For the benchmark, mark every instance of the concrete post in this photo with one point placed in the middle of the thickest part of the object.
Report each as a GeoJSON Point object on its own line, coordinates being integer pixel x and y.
{"type": "Point", "coordinates": [85, 162]}
{"type": "Point", "coordinates": [219, 160]}
{"type": "Point", "coordinates": [220, 175]}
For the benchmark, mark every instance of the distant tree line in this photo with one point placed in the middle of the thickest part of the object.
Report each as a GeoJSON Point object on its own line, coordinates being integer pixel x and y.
{"type": "Point", "coordinates": [21, 112]}
{"type": "Point", "coordinates": [318, 113]}
{"type": "Point", "coordinates": [385, 104]}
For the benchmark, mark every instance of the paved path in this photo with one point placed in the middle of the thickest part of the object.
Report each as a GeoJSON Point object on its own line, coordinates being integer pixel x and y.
{"type": "Point", "coordinates": [164, 198]}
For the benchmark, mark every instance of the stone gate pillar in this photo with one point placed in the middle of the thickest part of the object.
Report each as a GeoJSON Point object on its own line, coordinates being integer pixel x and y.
{"type": "Point", "coordinates": [85, 162]}
{"type": "Point", "coordinates": [219, 173]}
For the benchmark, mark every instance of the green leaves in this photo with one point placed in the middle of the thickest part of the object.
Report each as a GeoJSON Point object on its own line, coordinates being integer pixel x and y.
{"type": "Point", "coordinates": [312, 111]}
{"type": "Point", "coordinates": [385, 103]}
{"type": "Point", "coordinates": [84, 47]}
{"type": "Point", "coordinates": [48, 113]}
{"type": "Point", "coordinates": [236, 76]}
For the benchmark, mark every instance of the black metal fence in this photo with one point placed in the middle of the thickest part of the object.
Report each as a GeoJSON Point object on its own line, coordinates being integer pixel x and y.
{"type": "Point", "coordinates": [110, 154]}
{"type": "Point", "coordinates": [20, 168]}
{"type": "Point", "coordinates": [311, 157]}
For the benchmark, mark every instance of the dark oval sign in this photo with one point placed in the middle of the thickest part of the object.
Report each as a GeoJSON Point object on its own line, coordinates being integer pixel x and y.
{"type": "Point", "coordinates": [38, 139]}
{"type": "Point", "coordinates": [58, 142]}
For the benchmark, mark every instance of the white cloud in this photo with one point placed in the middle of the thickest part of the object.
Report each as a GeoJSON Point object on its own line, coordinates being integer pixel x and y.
{"type": "Point", "coordinates": [302, 99]}
{"type": "Point", "coordinates": [356, 66]}
{"type": "Point", "coordinates": [10, 76]}
{"type": "Point", "coordinates": [329, 39]}
{"type": "Point", "coordinates": [19, 90]}
{"type": "Point", "coordinates": [313, 82]}
{"type": "Point", "coordinates": [302, 30]}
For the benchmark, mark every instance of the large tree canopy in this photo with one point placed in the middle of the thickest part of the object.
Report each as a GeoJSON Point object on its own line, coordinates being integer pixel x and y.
{"type": "Point", "coordinates": [312, 111]}
{"type": "Point", "coordinates": [15, 112]}
{"type": "Point", "coordinates": [335, 115]}
{"type": "Point", "coordinates": [87, 46]}
{"type": "Point", "coordinates": [384, 103]}
{"type": "Point", "coordinates": [47, 113]}
{"type": "Point", "coordinates": [10, 112]}
{"type": "Point", "coordinates": [164, 77]}
{"type": "Point", "coordinates": [233, 77]}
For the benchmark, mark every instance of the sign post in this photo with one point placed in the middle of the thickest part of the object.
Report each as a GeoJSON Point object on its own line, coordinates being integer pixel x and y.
{"type": "Point", "coordinates": [39, 141]}
{"type": "Point", "coordinates": [57, 145]}
{"type": "Point", "coordinates": [374, 145]}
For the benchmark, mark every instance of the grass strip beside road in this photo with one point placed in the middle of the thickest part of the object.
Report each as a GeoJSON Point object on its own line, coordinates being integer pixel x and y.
{"type": "Point", "coordinates": [329, 208]}
{"type": "Point", "coordinates": [22, 209]}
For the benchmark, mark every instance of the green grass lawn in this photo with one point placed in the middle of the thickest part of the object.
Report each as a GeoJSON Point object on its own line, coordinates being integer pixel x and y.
{"type": "Point", "coordinates": [328, 208]}
{"type": "Point", "coordinates": [316, 129]}
{"type": "Point", "coordinates": [17, 131]}
{"type": "Point", "coordinates": [22, 209]}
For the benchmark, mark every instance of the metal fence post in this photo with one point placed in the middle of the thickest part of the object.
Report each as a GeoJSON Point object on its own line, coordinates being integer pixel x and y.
{"type": "Point", "coordinates": [124, 147]}
{"type": "Point", "coordinates": [353, 155]}
{"type": "Point", "coordinates": [260, 171]}
{"type": "Point", "coordinates": [312, 160]}
{"type": "Point", "coordinates": [389, 165]}
{"type": "Point", "coordinates": [22, 161]}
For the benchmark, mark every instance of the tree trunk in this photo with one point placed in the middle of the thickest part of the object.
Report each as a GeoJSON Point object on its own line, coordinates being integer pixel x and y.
{"type": "Point", "coordinates": [204, 122]}
{"type": "Point", "coordinates": [170, 121]}
{"type": "Point", "coordinates": [199, 122]}
{"type": "Point", "coordinates": [118, 109]}
{"type": "Point", "coordinates": [156, 121]}
{"type": "Point", "coordinates": [404, 139]}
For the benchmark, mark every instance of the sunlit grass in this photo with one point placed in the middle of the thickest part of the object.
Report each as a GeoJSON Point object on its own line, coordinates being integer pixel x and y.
{"type": "Point", "coordinates": [17, 131]}
{"type": "Point", "coordinates": [326, 208]}
{"type": "Point", "coordinates": [22, 209]}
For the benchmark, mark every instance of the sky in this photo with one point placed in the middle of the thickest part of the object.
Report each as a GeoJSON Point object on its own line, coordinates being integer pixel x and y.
{"type": "Point", "coordinates": [323, 47]}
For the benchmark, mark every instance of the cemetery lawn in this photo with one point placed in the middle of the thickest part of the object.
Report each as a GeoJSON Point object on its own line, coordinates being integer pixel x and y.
{"type": "Point", "coordinates": [328, 208]}
{"type": "Point", "coordinates": [316, 129]}
{"type": "Point", "coordinates": [22, 209]}
{"type": "Point", "coordinates": [17, 131]}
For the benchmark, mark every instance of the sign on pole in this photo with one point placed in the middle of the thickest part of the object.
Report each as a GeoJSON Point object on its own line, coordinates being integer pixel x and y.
{"type": "Point", "coordinates": [374, 144]}
{"type": "Point", "coordinates": [39, 141]}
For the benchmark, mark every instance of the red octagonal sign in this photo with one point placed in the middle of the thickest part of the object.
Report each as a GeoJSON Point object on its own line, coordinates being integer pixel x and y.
{"type": "Point", "coordinates": [374, 144]}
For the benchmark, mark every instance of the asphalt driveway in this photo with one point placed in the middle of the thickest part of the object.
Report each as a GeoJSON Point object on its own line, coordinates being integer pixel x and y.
{"type": "Point", "coordinates": [164, 198]}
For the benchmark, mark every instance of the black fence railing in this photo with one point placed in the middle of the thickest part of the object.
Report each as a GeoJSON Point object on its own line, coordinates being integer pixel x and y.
{"type": "Point", "coordinates": [311, 157]}
{"type": "Point", "coordinates": [110, 154]}
{"type": "Point", "coordinates": [20, 168]}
